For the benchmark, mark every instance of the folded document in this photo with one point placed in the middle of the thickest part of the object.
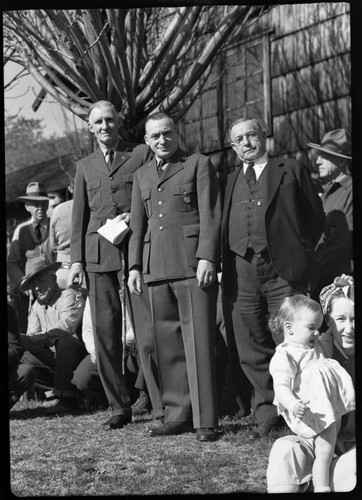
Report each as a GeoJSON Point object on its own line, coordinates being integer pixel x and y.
{"type": "Point", "coordinates": [114, 230]}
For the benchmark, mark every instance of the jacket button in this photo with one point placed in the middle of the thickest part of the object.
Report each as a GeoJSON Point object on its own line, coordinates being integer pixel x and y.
{"type": "Point", "coordinates": [160, 202]}
{"type": "Point", "coordinates": [160, 215]}
{"type": "Point", "coordinates": [160, 189]}
{"type": "Point", "coordinates": [161, 228]}
{"type": "Point", "coordinates": [111, 178]}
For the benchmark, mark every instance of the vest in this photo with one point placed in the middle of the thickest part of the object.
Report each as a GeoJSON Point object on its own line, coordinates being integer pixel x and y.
{"type": "Point", "coordinates": [247, 215]}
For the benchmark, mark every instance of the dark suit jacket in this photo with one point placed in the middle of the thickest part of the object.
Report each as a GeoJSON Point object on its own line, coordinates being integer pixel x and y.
{"type": "Point", "coordinates": [294, 219]}
{"type": "Point", "coordinates": [100, 195]}
{"type": "Point", "coordinates": [176, 218]}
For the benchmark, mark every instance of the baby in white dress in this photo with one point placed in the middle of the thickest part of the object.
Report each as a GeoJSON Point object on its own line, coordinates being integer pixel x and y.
{"type": "Point", "coordinates": [312, 392]}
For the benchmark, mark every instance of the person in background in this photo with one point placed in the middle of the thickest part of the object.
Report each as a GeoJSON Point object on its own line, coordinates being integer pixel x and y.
{"type": "Point", "coordinates": [174, 249]}
{"type": "Point", "coordinates": [272, 220]}
{"type": "Point", "coordinates": [29, 240]}
{"type": "Point", "coordinates": [56, 197]}
{"type": "Point", "coordinates": [21, 376]}
{"type": "Point", "coordinates": [58, 246]}
{"type": "Point", "coordinates": [102, 190]}
{"type": "Point", "coordinates": [334, 251]}
{"type": "Point", "coordinates": [51, 341]}
{"type": "Point", "coordinates": [290, 466]}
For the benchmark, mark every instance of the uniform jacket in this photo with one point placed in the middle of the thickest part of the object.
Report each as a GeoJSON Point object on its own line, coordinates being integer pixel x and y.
{"type": "Point", "coordinates": [294, 219]}
{"type": "Point", "coordinates": [176, 218]}
{"type": "Point", "coordinates": [100, 194]}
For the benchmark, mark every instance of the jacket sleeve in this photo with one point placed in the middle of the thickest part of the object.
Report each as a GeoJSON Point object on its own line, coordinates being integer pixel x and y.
{"type": "Point", "coordinates": [15, 259]}
{"type": "Point", "coordinates": [80, 217]}
{"type": "Point", "coordinates": [138, 225]}
{"type": "Point", "coordinates": [209, 205]}
{"type": "Point", "coordinates": [311, 205]}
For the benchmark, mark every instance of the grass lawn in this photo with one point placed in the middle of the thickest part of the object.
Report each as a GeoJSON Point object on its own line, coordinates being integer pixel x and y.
{"type": "Point", "coordinates": [71, 455]}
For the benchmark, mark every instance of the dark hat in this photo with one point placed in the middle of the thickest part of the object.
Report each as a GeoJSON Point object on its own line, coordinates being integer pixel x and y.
{"type": "Point", "coordinates": [34, 267]}
{"type": "Point", "coordinates": [35, 191]}
{"type": "Point", "coordinates": [336, 142]}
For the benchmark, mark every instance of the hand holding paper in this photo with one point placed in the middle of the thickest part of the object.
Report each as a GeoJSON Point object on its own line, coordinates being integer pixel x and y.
{"type": "Point", "coordinates": [114, 230]}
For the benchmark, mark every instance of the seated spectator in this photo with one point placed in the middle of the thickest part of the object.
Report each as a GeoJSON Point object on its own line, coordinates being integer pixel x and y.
{"type": "Point", "coordinates": [291, 458]}
{"type": "Point", "coordinates": [21, 376]}
{"type": "Point", "coordinates": [86, 376]}
{"type": "Point", "coordinates": [51, 341]}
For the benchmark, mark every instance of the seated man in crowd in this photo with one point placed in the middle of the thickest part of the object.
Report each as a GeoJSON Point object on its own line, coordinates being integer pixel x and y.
{"type": "Point", "coordinates": [21, 376]}
{"type": "Point", "coordinates": [51, 342]}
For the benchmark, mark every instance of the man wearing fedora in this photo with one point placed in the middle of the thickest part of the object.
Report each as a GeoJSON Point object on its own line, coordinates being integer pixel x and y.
{"type": "Point", "coordinates": [334, 250]}
{"type": "Point", "coordinates": [29, 240]}
{"type": "Point", "coordinates": [51, 343]}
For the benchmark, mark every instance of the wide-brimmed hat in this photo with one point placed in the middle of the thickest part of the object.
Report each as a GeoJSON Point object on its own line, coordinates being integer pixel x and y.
{"type": "Point", "coordinates": [35, 191]}
{"type": "Point", "coordinates": [34, 267]}
{"type": "Point", "coordinates": [336, 142]}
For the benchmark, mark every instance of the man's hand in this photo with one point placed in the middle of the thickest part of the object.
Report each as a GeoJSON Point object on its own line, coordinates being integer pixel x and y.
{"type": "Point", "coordinates": [126, 216]}
{"type": "Point", "coordinates": [25, 341]}
{"type": "Point", "coordinates": [300, 408]}
{"type": "Point", "coordinates": [206, 273]}
{"type": "Point", "coordinates": [135, 282]}
{"type": "Point", "coordinates": [76, 275]}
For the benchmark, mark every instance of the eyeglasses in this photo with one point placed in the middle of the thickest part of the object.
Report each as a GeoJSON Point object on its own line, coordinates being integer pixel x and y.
{"type": "Point", "coordinates": [251, 136]}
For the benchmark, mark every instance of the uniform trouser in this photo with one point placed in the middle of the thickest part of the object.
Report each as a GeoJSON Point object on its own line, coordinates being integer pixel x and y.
{"type": "Point", "coordinates": [106, 311]}
{"type": "Point", "coordinates": [69, 352]}
{"type": "Point", "coordinates": [184, 318]}
{"type": "Point", "coordinates": [255, 291]}
{"type": "Point", "coordinates": [143, 329]}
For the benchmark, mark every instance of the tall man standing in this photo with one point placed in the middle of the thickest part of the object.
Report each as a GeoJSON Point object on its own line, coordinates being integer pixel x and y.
{"type": "Point", "coordinates": [103, 188]}
{"type": "Point", "coordinates": [272, 221]}
{"type": "Point", "coordinates": [174, 244]}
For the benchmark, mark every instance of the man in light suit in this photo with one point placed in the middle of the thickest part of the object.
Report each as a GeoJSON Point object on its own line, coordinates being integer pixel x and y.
{"type": "Point", "coordinates": [272, 220]}
{"type": "Point", "coordinates": [174, 248]}
{"type": "Point", "coordinates": [103, 188]}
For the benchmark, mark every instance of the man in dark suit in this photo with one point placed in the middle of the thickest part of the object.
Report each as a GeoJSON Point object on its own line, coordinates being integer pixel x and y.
{"type": "Point", "coordinates": [174, 244]}
{"type": "Point", "coordinates": [103, 188]}
{"type": "Point", "coordinates": [271, 223]}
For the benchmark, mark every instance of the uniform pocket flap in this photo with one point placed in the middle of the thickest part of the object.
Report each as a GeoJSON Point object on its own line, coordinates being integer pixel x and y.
{"type": "Point", "coordinates": [146, 194]}
{"type": "Point", "coordinates": [92, 185]}
{"type": "Point", "coordinates": [184, 188]}
{"type": "Point", "coordinates": [193, 230]}
{"type": "Point", "coordinates": [128, 178]}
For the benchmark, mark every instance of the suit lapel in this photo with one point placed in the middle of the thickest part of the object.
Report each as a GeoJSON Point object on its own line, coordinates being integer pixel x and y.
{"type": "Point", "coordinates": [119, 158]}
{"type": "Point", "coordinates": [98, 161]}
{"type": "Point", "coordinates": [231, 184]}
{"type": "Point", "coordinates": [171, 169]}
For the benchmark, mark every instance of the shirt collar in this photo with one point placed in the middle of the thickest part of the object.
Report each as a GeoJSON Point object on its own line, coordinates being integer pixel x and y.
{"type": "Point", "coordinates": [104, 150]}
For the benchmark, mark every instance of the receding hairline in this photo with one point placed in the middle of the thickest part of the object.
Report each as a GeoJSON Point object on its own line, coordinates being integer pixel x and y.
{"type": "Point", "coordinates": [99, 105]}
{"type": "Point", "coordinates": [254, 121]}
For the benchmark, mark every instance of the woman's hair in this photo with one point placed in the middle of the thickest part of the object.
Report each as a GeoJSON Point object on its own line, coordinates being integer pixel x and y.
{"type": "Point", "coordinates": [287, 310]}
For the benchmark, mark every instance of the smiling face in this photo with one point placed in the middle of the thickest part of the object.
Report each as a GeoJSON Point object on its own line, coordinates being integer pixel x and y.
{"type": "Point", "coordinates": [248, 141]}
{"type": "Point", "coordinates": [304, 328]}
{"type": "Point", "coordinates": [341, 321]}
{"type": "Point", "coordinates": [162, 137]}
{"type": "Point", "coordinates": [103, 123]}
{"type": "Point", "coordinates": [43, 286]}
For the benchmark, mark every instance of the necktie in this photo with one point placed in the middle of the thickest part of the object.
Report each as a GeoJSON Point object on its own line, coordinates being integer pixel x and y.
{"type": "Point", "coordinates": [110, 156]}
{"type": "Point", "coordinates": [160, 166]}
{"type": "Point", "coordinates": [250, 176]}
{"type": "Point", "coordinates": [38, 232]}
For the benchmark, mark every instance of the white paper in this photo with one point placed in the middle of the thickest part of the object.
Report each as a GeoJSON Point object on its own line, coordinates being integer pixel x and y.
{"type": "Point", "coordinates": [114, 230]}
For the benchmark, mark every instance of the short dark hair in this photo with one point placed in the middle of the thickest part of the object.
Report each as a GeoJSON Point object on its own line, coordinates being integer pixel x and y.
{"type": "Point", "coordinates": [159, 115]}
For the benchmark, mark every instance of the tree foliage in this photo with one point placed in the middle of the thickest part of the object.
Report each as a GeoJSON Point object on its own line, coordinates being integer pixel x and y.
{"type": "Point", "coordinates": [25, 144]}
{"type": "Point", "coordinates": [141, 59]}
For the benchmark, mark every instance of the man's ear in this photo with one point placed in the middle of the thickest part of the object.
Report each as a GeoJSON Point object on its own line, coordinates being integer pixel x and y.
{"type": "Point", "coordinates": [26, 207]}
{"type": "Point", "coordinates": [146, 140]}
{"type": "Point", "coordinates": [90, 127]}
